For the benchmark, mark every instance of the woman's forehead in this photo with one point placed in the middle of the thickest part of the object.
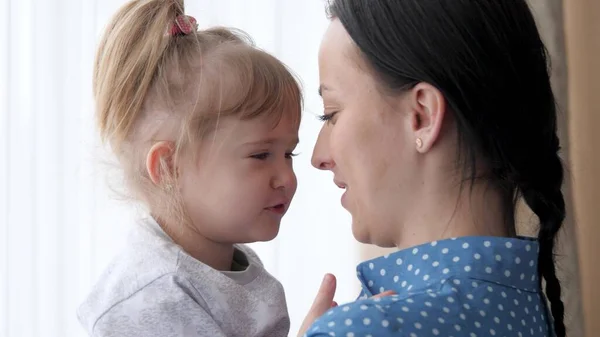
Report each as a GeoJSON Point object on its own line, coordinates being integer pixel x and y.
{"type": "Point", "coordinates": [340, 63]}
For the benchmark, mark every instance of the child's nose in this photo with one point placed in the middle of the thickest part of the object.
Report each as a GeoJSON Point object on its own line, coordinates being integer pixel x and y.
{"type": "Point", "coordinates": [285, 178]}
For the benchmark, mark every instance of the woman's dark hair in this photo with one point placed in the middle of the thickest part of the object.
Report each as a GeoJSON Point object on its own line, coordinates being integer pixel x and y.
{"type": "Point", "coordinates": [488, 60]}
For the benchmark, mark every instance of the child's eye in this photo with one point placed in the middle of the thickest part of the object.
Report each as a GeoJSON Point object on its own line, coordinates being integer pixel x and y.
{"type": "Point", "coordinates": [261, 156]}
{"type": "Point", "coordinates": [328, 117]}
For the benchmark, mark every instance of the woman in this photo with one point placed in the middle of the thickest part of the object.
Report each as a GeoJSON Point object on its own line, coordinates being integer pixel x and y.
{"type": "Point", "coordinates": [439, 117]}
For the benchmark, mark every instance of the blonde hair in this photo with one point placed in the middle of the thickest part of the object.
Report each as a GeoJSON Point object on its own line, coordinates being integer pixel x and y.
{"type": "Point", "coordinates": [148, 84]}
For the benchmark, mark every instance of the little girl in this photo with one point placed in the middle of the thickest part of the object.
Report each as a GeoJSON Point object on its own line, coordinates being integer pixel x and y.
{"type": "Point", "coordinates": [204, 125]}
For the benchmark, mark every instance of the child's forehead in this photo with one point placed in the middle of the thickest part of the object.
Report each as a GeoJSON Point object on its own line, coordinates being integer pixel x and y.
{"type": "Point", "coordinates": [261, 129]}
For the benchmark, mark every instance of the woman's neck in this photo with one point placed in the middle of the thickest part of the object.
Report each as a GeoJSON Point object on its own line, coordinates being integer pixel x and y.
{"type": "Point", "coordinates": [480, 210]}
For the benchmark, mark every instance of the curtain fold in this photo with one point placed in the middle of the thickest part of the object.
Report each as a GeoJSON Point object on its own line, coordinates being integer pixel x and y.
{"type": "Point", "coordinates": [582, 29]}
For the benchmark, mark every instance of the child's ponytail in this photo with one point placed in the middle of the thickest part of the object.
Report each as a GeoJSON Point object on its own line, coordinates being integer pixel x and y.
{"type": "Point", "coordinates": [127, 60]}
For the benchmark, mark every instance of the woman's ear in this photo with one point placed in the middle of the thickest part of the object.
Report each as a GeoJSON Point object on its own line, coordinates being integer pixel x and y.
{"type": "Point", "coordinates": [428, 108]}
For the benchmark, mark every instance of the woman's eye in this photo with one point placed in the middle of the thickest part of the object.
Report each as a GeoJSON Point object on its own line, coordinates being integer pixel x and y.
{"type": "Point", "coordinates": [261, 156]}
{"type": "Point", "coordinates": [328, 117]}
{"type": "Point", "coordinates": [290, 155]}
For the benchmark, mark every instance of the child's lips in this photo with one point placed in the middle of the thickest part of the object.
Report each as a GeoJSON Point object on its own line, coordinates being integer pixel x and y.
{"type": "Point", "coordinates": [280, 208]}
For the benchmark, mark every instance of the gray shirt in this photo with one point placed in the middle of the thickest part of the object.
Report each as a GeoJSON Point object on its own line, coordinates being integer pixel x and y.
{"type": "Point", "coordinates": [155, 289]}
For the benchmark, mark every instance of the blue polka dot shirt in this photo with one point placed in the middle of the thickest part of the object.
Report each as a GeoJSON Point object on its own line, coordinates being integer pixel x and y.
{"type": "Point", "coordinates": [460, 287]}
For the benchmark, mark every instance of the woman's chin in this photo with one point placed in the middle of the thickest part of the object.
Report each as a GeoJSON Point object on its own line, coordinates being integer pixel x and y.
{"type": "Point", "coordinates": [363, 234]}
{"type": "Point", "coordinates": [360, 233]}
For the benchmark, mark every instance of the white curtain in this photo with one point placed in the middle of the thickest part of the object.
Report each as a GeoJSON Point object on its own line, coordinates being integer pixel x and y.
{"type": "Point", "coordinates": [59, 223]}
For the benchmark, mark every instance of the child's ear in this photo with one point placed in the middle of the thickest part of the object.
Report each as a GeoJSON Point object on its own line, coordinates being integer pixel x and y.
{"type": "Point", "coordinates": [159, 162]}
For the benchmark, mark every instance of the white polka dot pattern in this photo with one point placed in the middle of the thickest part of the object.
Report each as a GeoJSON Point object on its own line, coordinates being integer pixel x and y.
{"type": "Point", "coordinates": [462, 287]}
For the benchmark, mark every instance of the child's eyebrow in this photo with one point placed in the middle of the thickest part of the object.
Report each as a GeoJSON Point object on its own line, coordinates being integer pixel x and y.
{"type": "Point", "coordinates": [271, 141]}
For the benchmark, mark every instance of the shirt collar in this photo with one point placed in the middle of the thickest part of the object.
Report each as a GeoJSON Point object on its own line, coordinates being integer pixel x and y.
{"type": "Point", "coordinates": [507, 261]}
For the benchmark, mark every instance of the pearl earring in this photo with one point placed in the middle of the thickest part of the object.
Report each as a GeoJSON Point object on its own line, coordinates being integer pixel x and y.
{"type": "Point", "coordinates": [419, 143]}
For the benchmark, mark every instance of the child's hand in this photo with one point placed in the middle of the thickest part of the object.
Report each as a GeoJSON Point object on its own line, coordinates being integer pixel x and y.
{"type": "Point", "coordinates": [324, 301]}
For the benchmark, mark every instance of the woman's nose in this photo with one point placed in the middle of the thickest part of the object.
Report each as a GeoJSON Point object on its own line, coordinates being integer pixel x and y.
{"type": "Point", "coordinates": [321, 157]}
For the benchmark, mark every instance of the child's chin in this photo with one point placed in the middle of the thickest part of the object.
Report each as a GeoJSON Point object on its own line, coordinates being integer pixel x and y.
{"type": "Point", "coordinates": [268, 234]}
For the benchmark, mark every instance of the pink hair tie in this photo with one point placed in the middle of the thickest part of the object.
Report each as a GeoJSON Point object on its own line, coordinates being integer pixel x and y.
{"type": "Point", "coordinates": [183, 25]}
